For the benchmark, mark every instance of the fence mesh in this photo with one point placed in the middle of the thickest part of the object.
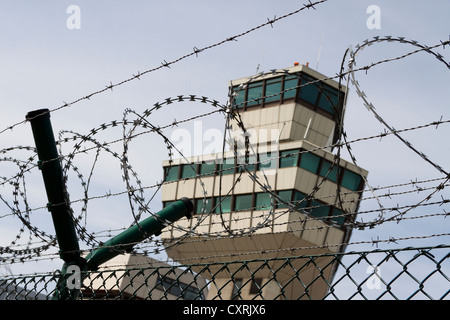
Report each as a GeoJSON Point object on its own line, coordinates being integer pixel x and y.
{"type": "Point", "coordinates": [403, 274]}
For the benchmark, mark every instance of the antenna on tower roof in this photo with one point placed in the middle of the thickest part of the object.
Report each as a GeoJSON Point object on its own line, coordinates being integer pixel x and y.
{"type": "Point", "coordinates": [320, 49]}
{"type": "Point", "coordinates": [259, 64]}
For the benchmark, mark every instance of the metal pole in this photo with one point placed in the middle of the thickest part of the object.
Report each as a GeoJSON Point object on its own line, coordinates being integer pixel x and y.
{"type": "Point", "coordinates": [121, 243]}
{"type": "Point", "coordinates": [50, 166]}
{"type": "Point", "coordinates": [139, 232]}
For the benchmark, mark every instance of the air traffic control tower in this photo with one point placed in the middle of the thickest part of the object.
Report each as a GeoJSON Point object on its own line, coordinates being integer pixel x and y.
{"type": "Point", "coordinates": [278, 192]}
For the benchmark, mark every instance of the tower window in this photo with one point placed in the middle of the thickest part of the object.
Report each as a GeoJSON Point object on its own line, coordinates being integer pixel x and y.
{"type": "Point", "coordinates": [310, 162]}
{"type": "Point", "coordinates": [207, 168]}
{"type": "Point", "coordinates": [300, 86]}
{"type": "Point", "coordinates": [273, 86]}
{"type": "Point", "coordinates": [243, 202]}
{"type": "Point", "coordinates": [319, 209]}
{"type": "Point", "coordinates": [268, 161]}
{"type": "Point", "coordinates": [286, 196]}
{"type": "Point", "coordinates": [255, 93]}
{"type": "Point", "coordinates": [338, 216]}
{"type": "Point", "coordinates": [250, 166]}
{"type": "Point", "coordinates": [299, 199]}
{"type": "Point", "coordinates": [239, 96]}
{"type": "Point", "coordinates": [263, 201]}
{"type": "Point", "coordinates": [188, 171]}
{"type": "Point", "coordinates": [222, 203]}
{"type": "Point", "coordinates": [333, 174]}
{"type": "Point", "coordinates": [227, 167]}
{"type": "Point", "coordinates": [171, 173]}
{"type": "Point", "coordinates": [351, 180]}
{"type": "Point", "coordinates": [288, 158]}
{"type": "Point", "coordinates": [290, 87]}
{"type": "Point", "coordinates": [328, 99]}
{"type": "Point", "coordinates": [309, 91]}
{"type": "Point", "coordinates": [203, 205]}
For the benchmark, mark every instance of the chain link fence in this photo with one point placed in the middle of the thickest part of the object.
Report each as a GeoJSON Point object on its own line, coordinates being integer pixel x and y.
{"type": "Point", "coordinates": [403, 274]}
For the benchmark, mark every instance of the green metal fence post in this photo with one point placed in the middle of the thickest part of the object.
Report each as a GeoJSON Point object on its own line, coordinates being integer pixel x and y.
{"type": "Point", "coordinates": [139, 232]}
{"type": "Point", "coordinates": [50, 166]}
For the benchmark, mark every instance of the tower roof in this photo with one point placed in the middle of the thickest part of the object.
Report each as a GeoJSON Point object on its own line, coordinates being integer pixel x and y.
{"type": "Point", "coordinates": [301, 68]}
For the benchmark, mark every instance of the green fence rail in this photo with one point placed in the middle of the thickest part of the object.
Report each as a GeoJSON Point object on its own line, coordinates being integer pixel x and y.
{"type": "Point", "coordinates": [403, 274]}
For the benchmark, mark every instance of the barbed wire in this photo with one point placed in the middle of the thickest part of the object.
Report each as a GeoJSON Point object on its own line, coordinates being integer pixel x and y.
{"type": "Point", "coordinates": [113, 124]}
{"type": "Point", "coordinates": [371, 108]}
{"type": "Point", "coordinates": [40, 241]}
{"type": "Point", "coordinates": [293, 251]}
{"type": "Point", "coordinates": [165, 64]}
{"type": "Point", "coordinates": [389, 194]}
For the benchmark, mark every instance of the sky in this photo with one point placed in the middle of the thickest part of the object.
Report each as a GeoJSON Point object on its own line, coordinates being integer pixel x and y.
{"type": "Point", "coordinates": [52, 55]}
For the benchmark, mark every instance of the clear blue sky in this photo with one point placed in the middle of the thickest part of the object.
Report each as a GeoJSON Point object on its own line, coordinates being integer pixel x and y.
{"type": "Point", "coordinates": [44, 64]}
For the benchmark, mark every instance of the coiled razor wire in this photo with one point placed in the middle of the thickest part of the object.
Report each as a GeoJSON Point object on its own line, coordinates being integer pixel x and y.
{"type": "Point", "coordinates": [139, 202]}
{"type": "Point", "coordinates": [369, 105]}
